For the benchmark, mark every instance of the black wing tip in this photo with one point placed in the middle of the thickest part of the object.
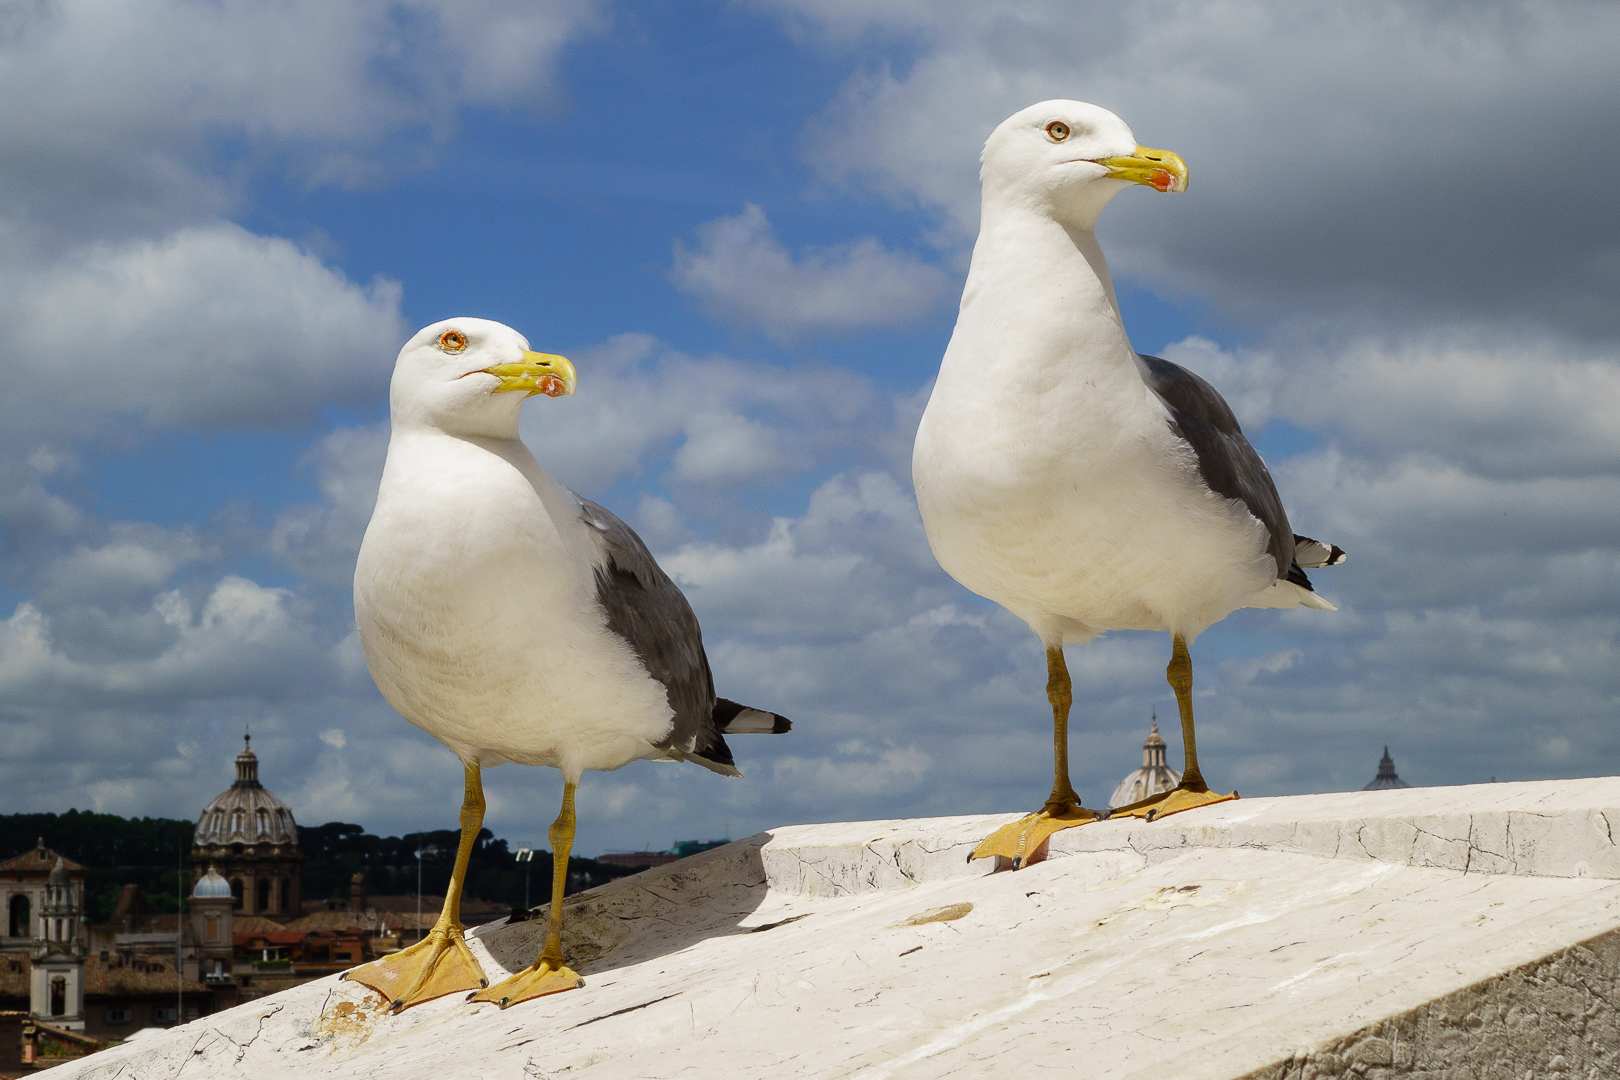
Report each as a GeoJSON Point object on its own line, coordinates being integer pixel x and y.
{"type": "Point", "coordinates": [735, 719]}
{"type": "Point", "coordinates": [1331, 554]}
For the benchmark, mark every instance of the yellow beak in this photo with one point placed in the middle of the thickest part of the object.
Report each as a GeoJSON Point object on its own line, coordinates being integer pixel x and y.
{"type": "Point", "coordinates": [536, 373]}
{"type": "Point", "coordinates": [1160, 170]}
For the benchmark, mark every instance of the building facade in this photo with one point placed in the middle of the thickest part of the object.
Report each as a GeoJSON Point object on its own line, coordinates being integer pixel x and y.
{"type": "Point", "coordinates": [43, 949]}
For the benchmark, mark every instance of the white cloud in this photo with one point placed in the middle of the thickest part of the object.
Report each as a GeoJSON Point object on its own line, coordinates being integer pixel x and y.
{"type": "Point", "coordinates": [109, 111]}
{"type": "Point", "coordinates": [743, 275]}
{"type": "Point", "coordinates": [207, 330]}
{"type": "Point", "coordinates": [321, 540]}
{"type": "Point", "coordinates": [1530, 406]}
{"type": "Point", "coordinates": [722, 421]}
{"type": "Point", "coordinates": [725, 446]}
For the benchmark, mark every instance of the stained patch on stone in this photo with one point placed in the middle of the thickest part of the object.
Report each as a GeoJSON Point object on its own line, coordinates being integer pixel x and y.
{"type": "Point", "coordinates": [948, 913]}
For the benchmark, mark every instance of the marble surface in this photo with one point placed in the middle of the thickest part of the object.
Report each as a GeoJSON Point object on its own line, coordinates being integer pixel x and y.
{"type": "Point", "coordinates": [1413, 932]}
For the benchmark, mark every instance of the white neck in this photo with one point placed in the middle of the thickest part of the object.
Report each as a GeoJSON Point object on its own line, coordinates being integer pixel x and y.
{"type": "Point", "coordinates": [1050, 281]}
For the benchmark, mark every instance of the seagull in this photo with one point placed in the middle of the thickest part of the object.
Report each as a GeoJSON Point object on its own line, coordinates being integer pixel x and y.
{"type": "Point", "coordinates": [513, 620]}
{"type": "Point", "coordinates": [1080, 485]}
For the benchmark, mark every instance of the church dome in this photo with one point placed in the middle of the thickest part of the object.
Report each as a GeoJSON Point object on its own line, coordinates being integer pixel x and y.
{"type": "Point", "coordinates": [1386, 778]}
{"type": "Point", "coordinates": [246, 813]}
{"type": "Point", "coordinates": [1153, 777]}
{"type": "Point", "coordinates": [211, 886]}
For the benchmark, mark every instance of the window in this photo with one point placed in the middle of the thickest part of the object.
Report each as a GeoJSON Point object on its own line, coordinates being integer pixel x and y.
{"type": "Point", "coordinates": [212, 933]}
{"type": "Point", "coordinates": [120, 1016]}
{"type": "Point", "coordinates": [262, 895]}
{"type": "Point", "coordinates": [20, 922]}
{"type": "Point", "coordinates": [58, 995]}
{"type": "Point", "coordinates": [165, 1015]}
{"type": "Point", "coordinates": [284, 897]}
{"type": "Point", "coordinates": [264, 822]}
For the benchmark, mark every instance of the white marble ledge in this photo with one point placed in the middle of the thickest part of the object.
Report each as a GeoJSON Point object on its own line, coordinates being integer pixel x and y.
{"type": "Point", "coordinates": [1549, 828]}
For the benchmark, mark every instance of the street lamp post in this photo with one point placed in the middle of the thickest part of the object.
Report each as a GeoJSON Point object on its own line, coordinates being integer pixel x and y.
{"type": "Point", "coordinates": [525, 855]}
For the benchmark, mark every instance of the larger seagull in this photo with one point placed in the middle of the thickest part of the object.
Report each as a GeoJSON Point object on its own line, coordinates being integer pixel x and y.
{"type": "Point", "coordinates": [515, 621]}
{"type": "Point", "coordinates": [1077, 483]}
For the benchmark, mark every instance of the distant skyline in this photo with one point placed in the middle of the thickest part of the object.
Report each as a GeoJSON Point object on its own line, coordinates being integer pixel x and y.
{"type": "Point", "coordinates": [747, 224]}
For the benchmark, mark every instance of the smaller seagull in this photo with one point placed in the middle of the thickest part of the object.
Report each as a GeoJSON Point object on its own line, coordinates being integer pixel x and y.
{"type": "Point", "coordinates": [513, 620]}
{"type": "Point", "coordinates": [1080, 485]}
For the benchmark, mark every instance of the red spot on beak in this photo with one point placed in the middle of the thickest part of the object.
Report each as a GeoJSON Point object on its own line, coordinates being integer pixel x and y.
{"type": "Point", "coordinates": [551, 386]}
{"type": "Point", "coordinates": [1161, 180]}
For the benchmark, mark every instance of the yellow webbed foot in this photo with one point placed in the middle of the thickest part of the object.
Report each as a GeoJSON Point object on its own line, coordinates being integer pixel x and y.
{"type": "Point", "coordinates": [1170, 802]}
{"type": "Point", "coordinates": [437, 965]}
{"type": "Point", "coordinates": [1024, 841]}
{"type": "Point", "coordinates": [543, 977]}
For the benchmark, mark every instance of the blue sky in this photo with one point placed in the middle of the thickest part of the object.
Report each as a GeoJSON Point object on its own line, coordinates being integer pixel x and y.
{"type": "Point", "coordinates": [747, 224]}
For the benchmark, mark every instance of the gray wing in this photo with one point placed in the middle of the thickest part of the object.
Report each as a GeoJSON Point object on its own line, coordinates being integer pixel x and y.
{"type": "Point", "coordinates": [647, 610]}
{"type": "Point", "coordinates": [1226, 461]}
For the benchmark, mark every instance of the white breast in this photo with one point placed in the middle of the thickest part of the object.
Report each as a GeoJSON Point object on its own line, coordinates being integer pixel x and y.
{"type": "Point", "coordinates": [475, 601]}
{"type": "Point", "coordinates": [1046, 471]}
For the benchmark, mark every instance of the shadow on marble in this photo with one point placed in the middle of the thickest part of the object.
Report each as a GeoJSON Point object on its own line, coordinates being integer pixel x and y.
{"type": "Point", "coordinates": [647, 915]}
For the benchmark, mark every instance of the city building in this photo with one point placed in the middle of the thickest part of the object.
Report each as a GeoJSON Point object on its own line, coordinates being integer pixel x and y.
{"type": "Point", "coordinates": [1154, 776]}
{"type": "Point", "coordinates": [43, 950]}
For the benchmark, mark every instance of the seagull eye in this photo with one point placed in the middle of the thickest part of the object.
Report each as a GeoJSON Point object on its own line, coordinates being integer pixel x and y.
{"type": "Point", "coordinates": [452, 341]}
{"type": "Point", "coordinates": [1057, 131]}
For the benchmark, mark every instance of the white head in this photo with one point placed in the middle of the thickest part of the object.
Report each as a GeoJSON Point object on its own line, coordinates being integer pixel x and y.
{"type": "Point", "coordinates": [1066, 159]}
{"type": "Point", "coordinates": [459, 376]}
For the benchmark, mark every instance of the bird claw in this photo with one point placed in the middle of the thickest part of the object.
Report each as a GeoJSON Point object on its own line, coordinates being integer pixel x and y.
{"type": "Point", "coordinates": [1024, 841]}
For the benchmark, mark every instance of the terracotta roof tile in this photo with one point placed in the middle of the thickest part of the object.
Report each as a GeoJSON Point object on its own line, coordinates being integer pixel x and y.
{"type": "Point", "coordinates": [118, 981]}
{"type": "Point", "coordinates": [38, 860]}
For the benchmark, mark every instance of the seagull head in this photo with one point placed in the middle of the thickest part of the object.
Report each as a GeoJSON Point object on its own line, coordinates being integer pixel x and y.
{"type": "Point", "coordinates": [1066, 159]}
{"type": "Point", "coordinates": [469, 376]}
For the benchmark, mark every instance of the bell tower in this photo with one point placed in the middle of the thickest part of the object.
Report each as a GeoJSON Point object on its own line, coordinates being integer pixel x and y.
{"type": "Point", "coordinates": [56, 981]}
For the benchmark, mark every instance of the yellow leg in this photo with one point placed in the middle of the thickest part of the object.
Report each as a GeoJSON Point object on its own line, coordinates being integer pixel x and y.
{"type": "Point", "coordinates": [1192, 792]}
{"type": "Point", "coordinates": [440, 963]}
{"type": "Point", "coordinates": [548, 974]}
{"type": "Point", "coordinates": [1024, 841]}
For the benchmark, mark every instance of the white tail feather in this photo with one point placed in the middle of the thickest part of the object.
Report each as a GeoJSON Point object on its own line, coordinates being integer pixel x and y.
{"type": "Point", "coordinates": [1285, 594]}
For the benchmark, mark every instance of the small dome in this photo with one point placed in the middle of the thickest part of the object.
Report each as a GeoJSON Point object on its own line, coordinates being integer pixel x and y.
{"type": "Point", "coordinates": [211, 886]}
{"type": "Point", "coordinates": [59, 874]}
{"type": "Point", "coordinates": [246, 813]}
{"type": "Point", "coordinates": [1153, 777]}
{"type": "Point", "coordinates": [1386, 778]}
